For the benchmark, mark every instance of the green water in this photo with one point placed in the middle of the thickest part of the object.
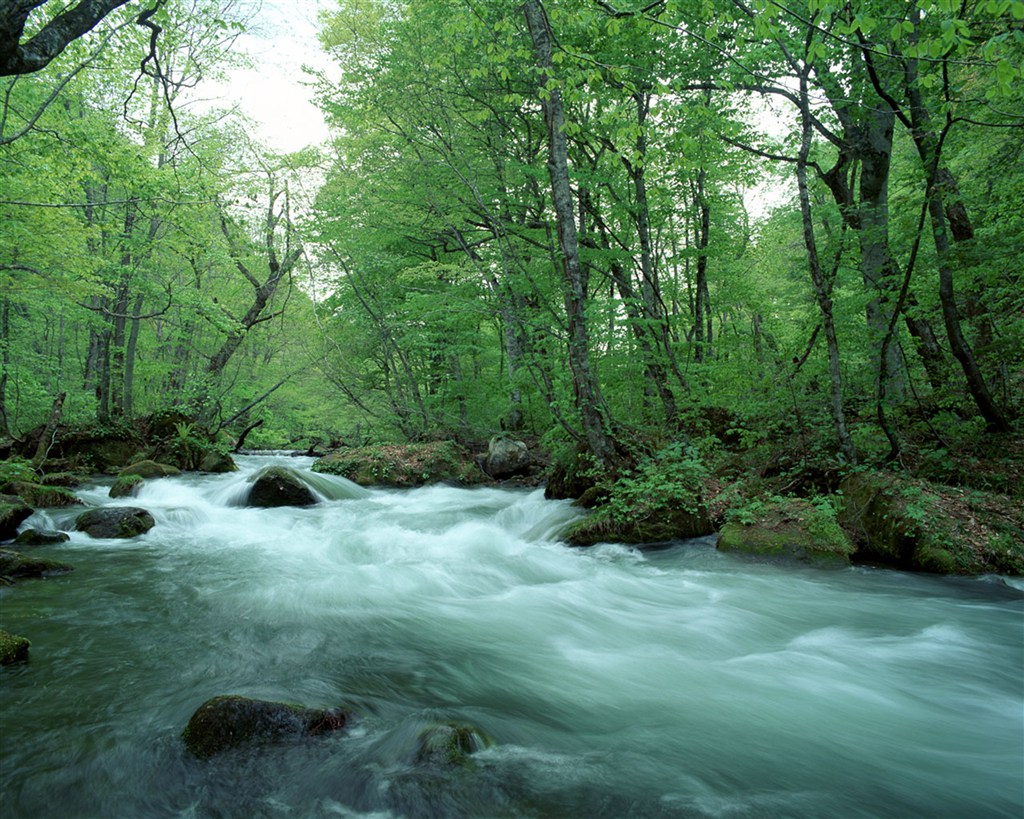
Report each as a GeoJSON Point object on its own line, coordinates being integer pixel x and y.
{"type": "Point", "coordinates": [614, 683]}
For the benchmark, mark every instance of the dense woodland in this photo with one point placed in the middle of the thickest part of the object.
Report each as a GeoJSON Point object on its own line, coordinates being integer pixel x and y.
{"type": "Point", "coordinates": [656, 236]}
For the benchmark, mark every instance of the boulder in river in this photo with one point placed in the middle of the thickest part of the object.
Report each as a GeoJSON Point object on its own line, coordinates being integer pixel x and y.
{"type": "Point", "coordinates": [14, 565]}
{"type": "Point", "coordinates": [115, 522]}
{"type": "Point", "coordinates": [38, 496]}
{"type": "Point", "coordinates": [450, 743]}
{"type": "Point", "coordinates": [217, 462]}
{"type": "Point", "coordinates": [126, 486]}
{"type": "Point", "coordinates": [150, 469]}
{"type": "Point", "coordinates": [13, 510]}
{"type": "Point", "coordinates": [789, 529]}
{"type": "Point", "coordinates": [279, 486]}
{"type": "Point", "coordinates": [13, 649]}
{"type": "Point", "coordinates": [227, 722]}
{"type": "Point", "coordinates": [506, 458]}
{"type": "Point", "coordinates": [40, 537]}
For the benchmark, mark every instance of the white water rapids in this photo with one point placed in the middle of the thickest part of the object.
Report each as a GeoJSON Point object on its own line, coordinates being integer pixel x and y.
{"type": "Point", "coordinates": [613, 682]}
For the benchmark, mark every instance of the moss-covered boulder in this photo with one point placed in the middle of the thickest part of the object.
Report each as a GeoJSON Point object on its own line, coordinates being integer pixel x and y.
{"type": "Point", "coordinates": [788, 529]}
{"type": "Point", "coordinates": [403, 465]}
{"type": "Point", "coordinates": [13, 512]}
{"type": "Point", "coordinates": [15, 565]}
{"type": "Point", "coordinates": [40, 537]}
{"type": "Point", "coordinates": [115, 522]}
{"type": "Point", "coordinates": [126, 486]}
{"type": "Point", "coordinates": [572, 474]}
{"type": "Point", "coordinates": [149, 469]}
{"type": "Point", "coordinates": [506, 458]}
{"type": "Point", "coordinates": [217, 462]}
{"type": "Point", "coordinates": [919, 526]}
{"type": "Point", "coordinates": [279, 486]}
{"type": "Point", "coordinates": [607, 526]}
{"type": "Point", "coordinates": [40, 496]}
{"type": "Point", "coordinates": [223, 723]}
{"type": "Point", "coordinates": [450, 743]}
{"type": "Point", "coordinates": [13, 649]}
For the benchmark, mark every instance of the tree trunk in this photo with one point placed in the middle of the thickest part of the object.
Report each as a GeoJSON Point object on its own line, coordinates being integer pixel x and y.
{"type": "Point", "coordinates": [822, 285]}
{"type": "Point", "coordinates": [586, 388]}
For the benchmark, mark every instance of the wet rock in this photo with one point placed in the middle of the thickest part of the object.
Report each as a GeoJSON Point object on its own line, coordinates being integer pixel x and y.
{"type": "Point", "coordinates": [13, 649]}
{"type": "Point", "coordinates": [506, 458]}
{"type": "Point", "coordinates": [789, 529]}
{"type": "Point", "coordinates": [227, 722]}
{"type": "Point", "coordinates": [279, 486]}
{"type": "Point", "coordinates": [450, 743]}
{"type": "Point", "coordinates": [13, 511]}
{"type": "Point", "coordinates": [115, 522]}
{"type": "Point", "coordinates": [217, 462]}
{"type": "Point", "coordinates": [40, 537]}
{"type": "Point", "coordinates": [659, 527]}
{"type": "Point", "coordinates": [38, 496]}
{"type": "Point", "coordinates": [14, 565]}
{"type": "Point", "coordinates": [126, 486]}
{"type": "Point", "coordinates": [149, 469]}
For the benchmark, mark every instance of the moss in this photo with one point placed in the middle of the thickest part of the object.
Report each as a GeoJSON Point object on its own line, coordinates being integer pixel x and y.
{"type": "Point", "coordinates": [920, 526]}
{"type": "Point", "coordinates": [15, 564]}
{"type": "Point", "coordinates": [13, 511]}
{"type": "Point", "coordinates": [450, 743]}
{"type": "Point", "coordinates": [603, 526]}
{"type": "Point", "coordinates": [149, 469]}
{"type": "Point", "coordinates": [126, 486]}
{"type": "Point", "coordinates": [787, 528]}
{"type": "Point", "coordinates": [40, 496]}
{"type": "Point", "coordinates": [403, 465]}
{"type": "Point", "coordinates": [13, 649]}
{"type": "Point", "coordinates": [226, 722]}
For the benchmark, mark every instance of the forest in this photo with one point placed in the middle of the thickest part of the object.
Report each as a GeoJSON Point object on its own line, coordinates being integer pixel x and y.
{"type": "Point", "coordinates": [714, 261]}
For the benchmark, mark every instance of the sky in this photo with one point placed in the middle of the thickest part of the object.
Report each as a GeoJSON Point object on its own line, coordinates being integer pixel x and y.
{"type": "Point", "coordinates": [280, 40]}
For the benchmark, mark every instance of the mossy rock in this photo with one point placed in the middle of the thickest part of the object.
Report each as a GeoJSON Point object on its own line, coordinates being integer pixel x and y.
{"type": "Point", "coordinates": [42, 497]}
{"type": "Point", "coordinates": [789, 529]}
{"type": "Point", "coordinates": [115, 522]}
{"type": "Point", "coordinates": [68, 480]}
{"type": "Point", "coordinates": [217, 462]}
{"type": "Point", "coordinates": [126, 486]}
{"type": "Point", "coordinates": [279, 486]}
{"type": "Point", "coordinates": [40, 537]}
{"type": "Point", "coordinates": [13, 649]}
{"type": "Point", "coordinates": [149, 469]}
{"type": "Point", "coordinates": [665, 525]}
{"type": "Point", "coordinates": [13, 512]}
{"type": "Point", "coordinates": [918, 526]}
{"type": "Point", "coordinates": [227, 722]}
{"type": "Point", "coordinates": [403, 465]}
{"type": "Point", "coordinates": [573, 475]}
{"type": "Point", "coordinates": [450, 743]}
{"type": "Point", "coordinates": [15, 565]}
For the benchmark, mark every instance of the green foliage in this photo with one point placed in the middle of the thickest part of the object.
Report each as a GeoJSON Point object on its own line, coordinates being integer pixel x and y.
{"type": "Point", "coordinates": [671, 479]}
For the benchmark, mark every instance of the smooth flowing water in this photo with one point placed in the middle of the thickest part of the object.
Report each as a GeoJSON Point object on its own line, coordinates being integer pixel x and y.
{"type": "Point", "coordinates": [614, 682]}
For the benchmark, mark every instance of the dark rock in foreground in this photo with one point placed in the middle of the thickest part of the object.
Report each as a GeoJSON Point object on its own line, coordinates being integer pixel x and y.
{"type": "Point", "coordinates": [227, 722]}
{"type": "Point", "coordinates": [14, 565]}
{"type": "Point", "coordinates": [279, 486]}
{"type": "Point", "coordinates": [115, 522]}
{"type": "Point", "coordinates": [40, 537]}
{"type": "Point", "coordinates": [13, 510]}
{"type": "Point", "coordinates": [13, 649]}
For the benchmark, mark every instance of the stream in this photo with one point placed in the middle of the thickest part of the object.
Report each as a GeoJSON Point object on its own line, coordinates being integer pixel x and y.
{"type": "Point", "coordinates": [614, 682]}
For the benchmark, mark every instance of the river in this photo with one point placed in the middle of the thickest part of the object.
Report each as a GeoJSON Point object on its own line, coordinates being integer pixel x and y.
{"type": "Point", "coordinates": [678, 682]}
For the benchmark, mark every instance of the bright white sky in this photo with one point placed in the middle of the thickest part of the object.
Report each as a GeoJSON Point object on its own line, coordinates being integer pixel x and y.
{"type": "Point", "coordinates": [280, 40]}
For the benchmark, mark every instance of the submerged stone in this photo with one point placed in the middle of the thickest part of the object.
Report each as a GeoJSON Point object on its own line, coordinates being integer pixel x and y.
{"type": "Point", "coordinates": [115, 522]}
{"type": "Point", "coordinates": [232, 721]}
{"type": "Point", "coordinates": [14, 565]}
{"type": "Point", "coordinates": [40, 537]}
{"type": "Point", "coordinates": [279, 486]}
{"type": "Point", "coordinates": [13, 649]}
{"type": "Point", "coordinates": [450, 743]}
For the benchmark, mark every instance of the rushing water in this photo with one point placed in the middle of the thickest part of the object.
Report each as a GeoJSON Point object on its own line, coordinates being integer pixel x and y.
{"type": "Point", "coordinates": [614, 683]}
